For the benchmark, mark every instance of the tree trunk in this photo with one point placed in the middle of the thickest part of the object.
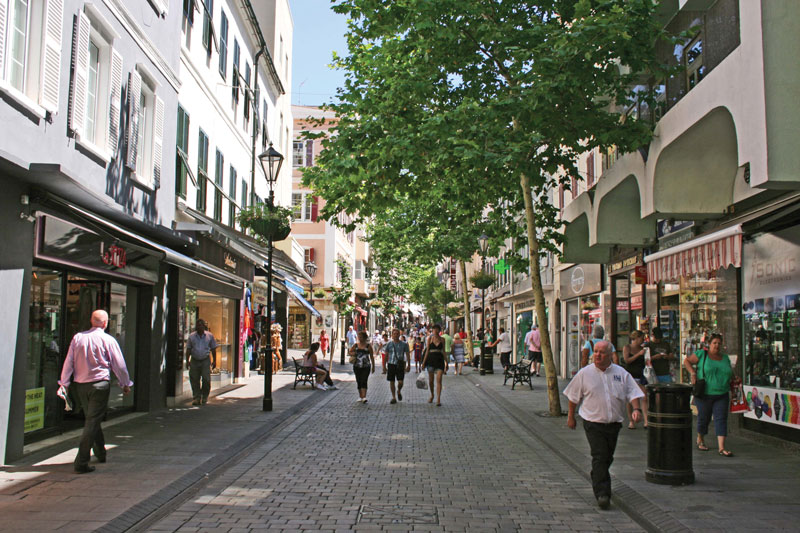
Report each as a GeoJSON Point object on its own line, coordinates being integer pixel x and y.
{"type": "Point", "coordinates": [538, 296]}
{"type": "Point", "coordinates": [467, 326]}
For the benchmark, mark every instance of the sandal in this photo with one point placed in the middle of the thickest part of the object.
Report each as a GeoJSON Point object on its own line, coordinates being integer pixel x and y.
{"type": "Point", "coordinates": [702, 447]}
{"type": "Point", "coordinates": [631, 426]}
{"type": "Point", "coordinates": [726, 453]}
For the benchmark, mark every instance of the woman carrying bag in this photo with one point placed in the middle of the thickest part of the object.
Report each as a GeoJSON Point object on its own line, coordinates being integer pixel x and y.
{"type": "Point", "coordinates": [713, 368]}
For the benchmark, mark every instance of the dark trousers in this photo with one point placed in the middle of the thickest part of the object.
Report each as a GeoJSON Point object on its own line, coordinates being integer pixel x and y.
{"type": "Point", "coordinates": [505, 359]}
{"type": "Point", "coordinates": [93, 398]}
{"type": "Point", "coordinates": [328, 380]}
{"type": "Point", "coordinates": [602, 442]}
{"type": "Point", "coordinates": [715, 406]}
{"type": "Point", "coordinates": [200, 369]}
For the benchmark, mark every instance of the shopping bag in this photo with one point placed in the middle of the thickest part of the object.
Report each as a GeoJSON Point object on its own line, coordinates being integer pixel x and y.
{"type": "Point", "coordinates": [738, 400]}
{"type": "Point", "coordinates": [422, 380]}
{"type": "Point", "coordinates": [649, 371]}
{"type": "Point", "coordinates": [63, 393]}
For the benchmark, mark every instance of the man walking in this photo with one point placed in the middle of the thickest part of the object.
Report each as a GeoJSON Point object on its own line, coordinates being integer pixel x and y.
{"type": "Point", "coordinates": [533, 341]}
{"type": "Point", "coordinates": [92, 355]}
{"type": "Point", "coordinates": [201, 357]}
{"type": "Point", "coordinates": [352, 337]}
{"type": "Point", "coordinates": [602, 389]}
{"type": "Point", "coordinates": [399, 362]}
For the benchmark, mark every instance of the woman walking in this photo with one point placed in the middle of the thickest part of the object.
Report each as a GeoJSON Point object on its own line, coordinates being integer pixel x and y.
{"type": "Point", "coordinates": [324, 342]}
{"type": "Point", "coordinates": [363, 364]}
{"type": "Point", "coordinates": [435, 362]}
{"type": "Point", "coordinates": [633, 355]}
{"type": "Point", "coordinates": [418, 347]}
{"type": "Point", "coordinates": [459, 352]}
{"type": "Point", "coordinates": [715, 368]}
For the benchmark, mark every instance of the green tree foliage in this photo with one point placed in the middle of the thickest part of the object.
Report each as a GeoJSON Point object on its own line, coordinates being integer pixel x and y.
{"type": "Point", "coordinates": [341, 294]}
{"type": "Point", "coordinates": [459, 117]}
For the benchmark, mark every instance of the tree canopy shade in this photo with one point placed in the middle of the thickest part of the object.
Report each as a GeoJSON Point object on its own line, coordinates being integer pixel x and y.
{"type": "Point", "coordinates": [458, 116]}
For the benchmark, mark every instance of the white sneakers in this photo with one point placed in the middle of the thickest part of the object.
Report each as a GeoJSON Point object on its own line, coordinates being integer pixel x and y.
{"type": "Point", "coordinates": [321, 386]}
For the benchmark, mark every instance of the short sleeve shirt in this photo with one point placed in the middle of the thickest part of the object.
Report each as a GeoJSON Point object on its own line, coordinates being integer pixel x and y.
{"type": "Point", "coordinates": [448, 342]}
{"type": "Point", "coordinates": [396, 352]}
{"type": "Point", "coordinates": [602, 395]}
{"type": "Point", "coordinates": [200, 346]}
{"type": "Point", "coordinates": [533, 341]}
{"type": "Point", "coordinates": [504, 346]}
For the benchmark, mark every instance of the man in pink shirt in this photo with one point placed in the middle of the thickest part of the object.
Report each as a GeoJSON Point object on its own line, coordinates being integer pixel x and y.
{"type": "Point", "coordinates": [92, 355]}
{"type": "Point", "coordinates": [533, 341]}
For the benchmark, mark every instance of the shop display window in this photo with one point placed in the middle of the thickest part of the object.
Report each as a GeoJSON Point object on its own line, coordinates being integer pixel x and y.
{"type": "Point", "coordinates": [708, 304]}
{"type": "Point", "coordinates": [219, 314]}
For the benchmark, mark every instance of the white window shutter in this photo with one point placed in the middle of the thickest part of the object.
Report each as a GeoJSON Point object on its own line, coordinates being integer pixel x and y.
{"type": "Point", "coordinates": [132, 133]}
{"type": "Point", "coordinates": [80, 73]}
{"type": "Point", "coordinates": [51, 55]}
{"type": "Point", "coordinates": [158, 141]}
{"type": "Point", "coordinates": [3, 17]}
{"type": "Point", "coordinates": [114, 94]}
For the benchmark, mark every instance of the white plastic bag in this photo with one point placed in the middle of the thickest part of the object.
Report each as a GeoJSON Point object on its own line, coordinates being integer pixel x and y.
{"type": "Point", "coordinates": [649, 371]}
{"type": "Point", "coordinates": [422, 380]}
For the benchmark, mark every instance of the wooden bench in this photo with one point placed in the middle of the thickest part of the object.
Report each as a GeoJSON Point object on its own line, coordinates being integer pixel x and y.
{"type": "Point", "coordinates": [519, 373]}
{"type": "Point", "coordinates": [303, 374]}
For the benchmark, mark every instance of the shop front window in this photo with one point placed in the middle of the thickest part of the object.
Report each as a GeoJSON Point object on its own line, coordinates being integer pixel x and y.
{"type": "Point", "coordinates": [219, 314]}
{"type": "Point", "coordinates": [524, 321]}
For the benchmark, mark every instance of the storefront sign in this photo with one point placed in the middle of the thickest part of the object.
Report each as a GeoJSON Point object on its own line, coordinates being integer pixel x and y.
{"type": "Point", "coordinates": [640, 275]}
{"type": "Point", "coordinates": [114, 256]}
{"type": "Point", "coordinates": [215, 254]}
{"type": "Point", "coordinates": [667, 227]}
{"type": "Point", "coordinates": [260, 293]}
{"type": "Point", "coordinates": [771, 264]}
{"type": "Point", "coordinates": [230, 262]}
{"type": "Point", "coordinates": [581, 279]}
{"type": "Point", "coordinates": [34, 409]}
{"type": "Point", "coordinates": [625, 264]}
{"type": "Point", "coordinates": [636, 302]}
{"type": "Point", "coordinates": [622, 305]}
{"type": "Point", "coordinates": [773, 405]}
{"type": "Point", "coordinates": [675, 239]}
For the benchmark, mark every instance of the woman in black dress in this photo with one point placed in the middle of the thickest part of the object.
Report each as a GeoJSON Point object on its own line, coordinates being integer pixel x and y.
{"type": "Point", "coordinates": [435, 362]}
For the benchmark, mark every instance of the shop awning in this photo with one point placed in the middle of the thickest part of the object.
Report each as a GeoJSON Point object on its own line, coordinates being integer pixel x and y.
{"type": "Point", "coordinates": [710, 252]}
{"type": "Point", "coordinates": [361, 311]}
{"type": "Point", "coordinates": [298, 295]}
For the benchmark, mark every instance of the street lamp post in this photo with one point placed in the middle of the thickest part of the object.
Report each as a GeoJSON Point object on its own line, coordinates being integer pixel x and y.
{"type": "Point", "coordinates": [271, 161]}
{"type": "Point", "coordinates": [310, 269]}
{"type": "Point", "coordinates": [483, 242]}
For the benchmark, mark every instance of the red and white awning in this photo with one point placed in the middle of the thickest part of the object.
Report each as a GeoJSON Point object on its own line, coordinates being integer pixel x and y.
{"type": "Point", "coordinates": [704, 254]}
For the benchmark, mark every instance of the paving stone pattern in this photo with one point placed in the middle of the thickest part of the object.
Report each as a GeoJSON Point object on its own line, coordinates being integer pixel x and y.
{"type": "Point", "coordinates": [412, 466]}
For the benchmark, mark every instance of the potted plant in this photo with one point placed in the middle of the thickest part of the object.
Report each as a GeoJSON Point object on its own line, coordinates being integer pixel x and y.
{"type": "Point", "coordinates": [320, 293]}
{"type": "Point", "coordinates": [266, 222]}
{"type": "Point", "coordinates": [482, 280]}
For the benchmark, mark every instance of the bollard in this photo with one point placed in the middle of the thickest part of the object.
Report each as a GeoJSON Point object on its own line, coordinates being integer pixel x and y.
{"type": "Point", "coordinates": [341, 361]}
{"type": "Point", "coordinates": [669, 434]}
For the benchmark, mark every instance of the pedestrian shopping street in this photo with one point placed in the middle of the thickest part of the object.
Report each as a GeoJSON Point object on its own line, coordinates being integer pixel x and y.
{"type": "Point", "coordinates": [486, 460]}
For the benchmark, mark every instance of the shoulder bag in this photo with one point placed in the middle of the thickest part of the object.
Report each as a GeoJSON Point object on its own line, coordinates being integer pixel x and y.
{"type": "Point", "coordinates": [699, 387]}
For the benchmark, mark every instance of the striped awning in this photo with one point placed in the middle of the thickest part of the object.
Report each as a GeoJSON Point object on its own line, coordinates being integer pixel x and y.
{"type": "Point", "coordinates": [704, 254]}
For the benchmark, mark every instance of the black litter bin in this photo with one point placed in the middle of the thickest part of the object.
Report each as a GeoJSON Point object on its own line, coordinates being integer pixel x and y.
{"type": "Point", "coordinates": [669, 435]}
{"type": "Point", "coordinates": [487, 363]}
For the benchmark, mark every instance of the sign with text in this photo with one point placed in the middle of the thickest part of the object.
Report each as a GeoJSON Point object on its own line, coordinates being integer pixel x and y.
{"type": "Point", "coordinates": [34, 409]}
{"type": "Point", "coordinates": [581, 279]}
{"type": "Point", "coordinates": [771, 268]}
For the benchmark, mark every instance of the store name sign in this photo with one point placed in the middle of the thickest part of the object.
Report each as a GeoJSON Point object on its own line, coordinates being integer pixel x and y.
{"type": "Point", "coordinates": [114, 256]}
{"type": "Point", "coordinates": [771, 270]}
{"type": "Point", "coordinates": [625, 263]}
{"type": "Point", "coordinates": [230, 261]}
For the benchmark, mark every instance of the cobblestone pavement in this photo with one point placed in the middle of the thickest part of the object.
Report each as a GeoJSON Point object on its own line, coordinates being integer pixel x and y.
{"type": "Point", "coordinates": [412, 466]}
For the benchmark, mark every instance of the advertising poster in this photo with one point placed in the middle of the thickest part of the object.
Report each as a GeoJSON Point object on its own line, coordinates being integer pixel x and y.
{"type": "Point", "coordinates": [34, 409]}
{"type": "Point", "coordinates": [773, 405]}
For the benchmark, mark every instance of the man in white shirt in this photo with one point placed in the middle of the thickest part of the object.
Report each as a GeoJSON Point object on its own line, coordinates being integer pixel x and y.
{"type": "Point", "coordinates": [503, 344]}
{"type": "Point", "coordinates": [603, 390]}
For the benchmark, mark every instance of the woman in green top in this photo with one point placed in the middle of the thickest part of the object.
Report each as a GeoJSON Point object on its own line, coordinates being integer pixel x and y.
{"type": "Point", "coordinates": [715, 367]}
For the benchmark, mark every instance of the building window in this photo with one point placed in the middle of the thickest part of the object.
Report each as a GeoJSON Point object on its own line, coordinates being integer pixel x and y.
{"type": "Point", "coordinates": [304, 206]}
{"type": "Point", "coordinates": [693, 61]}
{"type": "Point", "coordinates": [298, 154]}
{"type": "Point", "coordinates": [219, 169]}
{"type": "Point", "coordinates": [188, 21]}
{"type": "Point", "coordinates": [264, 136]}
{"type": "Point", "coordinates": [202, 171]}
{"type": "Point", "coordinates": [208, 26]}
{"type": "Point", "coordinates": [235, 80]}
{"type": "Point", "coordinates": [590, 170]}
{"type": "Point", "coordinates": [145, 131]}
{"type": "Point", "coordinates": [247, 100]}
{"type": "Point", "coordinates": [309, 256]}
{"type": "Point", "coordinates": [245, 200]}
{"type": "Point", "coordinates": [30, 52]}
{"type": "Point", "coordinates": [182, 137]}
{"type": "Point", "coordinates": [359, 269]}
{"type": "Point", "coordinates": [223, 45]}
{"type": "Point", "coordinates": [233, 178]}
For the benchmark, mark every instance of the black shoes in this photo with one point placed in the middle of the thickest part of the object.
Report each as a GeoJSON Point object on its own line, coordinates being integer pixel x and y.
{"type": "Point", "coordinates": [400, 396]}
{"type": "Point", "coordinates": [393, 401]}
{"type": "Point", "coordinates": [604, 502]}
{"type": "Point", "coordinates": [85, 469]}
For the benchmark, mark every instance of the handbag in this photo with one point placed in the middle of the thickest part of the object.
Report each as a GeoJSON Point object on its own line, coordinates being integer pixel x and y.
{"type": "Point", "coordinates": [699, 387]}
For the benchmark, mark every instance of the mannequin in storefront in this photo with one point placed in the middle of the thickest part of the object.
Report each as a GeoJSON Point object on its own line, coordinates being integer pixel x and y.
{"type": "Point", "coordinates": [277, 345]}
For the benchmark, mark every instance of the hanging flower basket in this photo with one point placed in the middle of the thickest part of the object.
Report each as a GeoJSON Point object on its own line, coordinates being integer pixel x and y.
{"type": "Point", "coordinates": [482, 280]}
{"type": "Point", "coordinates": [265, 222]}
{"type": "Point", "coordinates": [320, 293]}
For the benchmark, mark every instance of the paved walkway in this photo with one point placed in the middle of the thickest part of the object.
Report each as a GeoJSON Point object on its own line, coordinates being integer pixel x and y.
{"type": "Point", "coordinates": [484, 461]}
